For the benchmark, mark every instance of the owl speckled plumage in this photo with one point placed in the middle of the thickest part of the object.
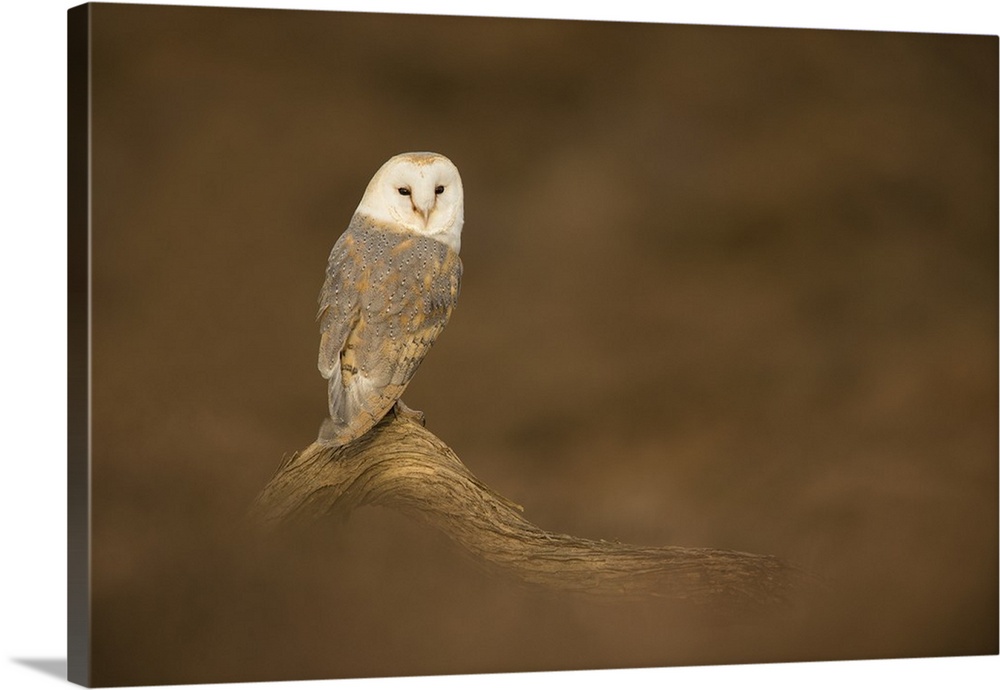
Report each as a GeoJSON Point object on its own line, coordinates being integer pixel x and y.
{"type": "Point", "coordinates": [392, 282]}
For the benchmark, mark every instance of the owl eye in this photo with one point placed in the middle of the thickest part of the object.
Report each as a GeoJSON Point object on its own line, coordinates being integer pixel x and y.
{"type": "Point", "coordinates": [439, 189]}
{"type": "Point", "coordinates": [404, 191]}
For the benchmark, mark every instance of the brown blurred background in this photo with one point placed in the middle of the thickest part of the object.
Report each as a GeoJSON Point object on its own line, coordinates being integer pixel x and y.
{"type": "Point", "coordinates": [723, 287]}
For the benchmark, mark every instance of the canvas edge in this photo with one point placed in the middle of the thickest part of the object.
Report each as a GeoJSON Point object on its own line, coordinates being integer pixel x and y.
{"type": "Point", "coordinates": [78, 345]}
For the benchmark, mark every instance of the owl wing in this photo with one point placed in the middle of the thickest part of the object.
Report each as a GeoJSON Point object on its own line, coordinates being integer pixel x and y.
{"type": "Point", "coordinates": [340, 304]}
{"type": "Point", "coordinates": [416, 320]}
{"type": "Point", "coordinates": [381, 309]}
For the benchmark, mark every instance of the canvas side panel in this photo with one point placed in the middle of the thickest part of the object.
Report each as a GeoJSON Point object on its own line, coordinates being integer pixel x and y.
{"type": "Point", "coordinates": [78, 385]}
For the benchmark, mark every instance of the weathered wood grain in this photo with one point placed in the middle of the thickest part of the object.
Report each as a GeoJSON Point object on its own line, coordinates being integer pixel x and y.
{"type": "Point", "coordinates": [401, 465]}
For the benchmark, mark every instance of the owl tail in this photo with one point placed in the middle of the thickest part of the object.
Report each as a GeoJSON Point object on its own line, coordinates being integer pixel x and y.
{"type": "Point", "coordinates": [332, 434]}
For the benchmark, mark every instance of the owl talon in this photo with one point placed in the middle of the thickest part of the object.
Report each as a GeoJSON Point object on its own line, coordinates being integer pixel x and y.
{"type": "Point", "coordinates": [408, 413]}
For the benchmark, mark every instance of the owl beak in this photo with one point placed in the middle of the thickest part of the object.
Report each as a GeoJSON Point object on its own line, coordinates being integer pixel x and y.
{"type": "Point", "coordinates": [424, 211]}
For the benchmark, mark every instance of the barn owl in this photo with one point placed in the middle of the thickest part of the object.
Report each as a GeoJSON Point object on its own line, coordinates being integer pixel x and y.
{"type": "Point", "coordinates": [392, 281]}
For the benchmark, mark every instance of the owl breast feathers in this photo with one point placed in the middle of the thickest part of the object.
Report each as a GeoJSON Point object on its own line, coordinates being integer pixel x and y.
{"type": "Point", "coordinates": [386, 298]}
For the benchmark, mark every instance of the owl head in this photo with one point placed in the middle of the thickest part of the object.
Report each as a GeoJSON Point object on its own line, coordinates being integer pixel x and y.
{"type": "Point", "coordinates": [419, 193]}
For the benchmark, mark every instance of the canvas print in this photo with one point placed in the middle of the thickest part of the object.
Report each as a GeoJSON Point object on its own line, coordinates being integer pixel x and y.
{"type": "Point", "coordinates": [417, 345]}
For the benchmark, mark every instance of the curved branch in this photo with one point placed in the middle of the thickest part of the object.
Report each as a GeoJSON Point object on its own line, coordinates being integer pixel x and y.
{"type": "Point", "coordinates": [401, 465]}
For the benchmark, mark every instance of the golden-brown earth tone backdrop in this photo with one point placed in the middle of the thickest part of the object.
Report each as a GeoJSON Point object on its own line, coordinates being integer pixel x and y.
{"type": "Point", "coordinates": [723, 287]}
